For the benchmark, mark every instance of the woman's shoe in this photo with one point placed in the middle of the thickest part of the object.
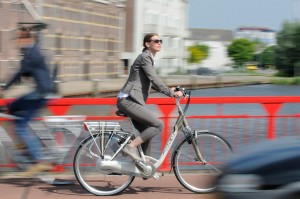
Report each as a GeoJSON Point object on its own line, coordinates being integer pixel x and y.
{"type": "Point", "coordinates": [132, 152]}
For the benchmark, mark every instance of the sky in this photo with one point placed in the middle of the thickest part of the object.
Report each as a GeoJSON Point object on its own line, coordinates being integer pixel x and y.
{"type": "Point", "coordinates": [232, 14]}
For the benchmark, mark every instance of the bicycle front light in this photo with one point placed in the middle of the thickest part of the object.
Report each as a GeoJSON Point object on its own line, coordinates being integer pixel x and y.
{"type": "Point", "coordinates": [240, 183]}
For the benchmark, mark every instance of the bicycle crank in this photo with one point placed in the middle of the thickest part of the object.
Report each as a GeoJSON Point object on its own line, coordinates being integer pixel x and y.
{"type": "Point", "coordinates": [146, 169]}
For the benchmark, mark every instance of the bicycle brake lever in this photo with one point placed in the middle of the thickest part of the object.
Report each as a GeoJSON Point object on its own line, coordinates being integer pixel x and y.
{"type": "Point", "coordinates": [186, 96]}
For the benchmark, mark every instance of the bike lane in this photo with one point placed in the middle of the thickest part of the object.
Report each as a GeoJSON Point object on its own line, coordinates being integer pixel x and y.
{"type": "Point", "coordinates": [166, 187]}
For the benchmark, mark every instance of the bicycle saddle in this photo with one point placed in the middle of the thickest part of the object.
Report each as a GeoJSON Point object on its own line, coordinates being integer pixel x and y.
{"type": "Point", "coordinates": [120, 113]}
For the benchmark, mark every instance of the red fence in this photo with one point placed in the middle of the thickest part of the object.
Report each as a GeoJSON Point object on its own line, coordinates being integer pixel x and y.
{"type": "Point", "coordinates": [241, 120]}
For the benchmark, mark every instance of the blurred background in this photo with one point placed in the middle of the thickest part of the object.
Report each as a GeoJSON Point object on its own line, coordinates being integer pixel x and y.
{"type": "Point", "coordinates": [90, 45]}
{"type": "Point", "coordinates": [88, 40]}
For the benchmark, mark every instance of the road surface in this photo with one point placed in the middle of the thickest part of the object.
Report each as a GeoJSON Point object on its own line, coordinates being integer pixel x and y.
{"type": "Point", "coordinates": [14, 187]}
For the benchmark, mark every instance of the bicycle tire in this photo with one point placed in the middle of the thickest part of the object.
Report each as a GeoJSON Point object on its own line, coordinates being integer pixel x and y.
{"type": "Point", "coordinates": [193, 174]}
{"type": "Point", "coordinates": [89, 176]}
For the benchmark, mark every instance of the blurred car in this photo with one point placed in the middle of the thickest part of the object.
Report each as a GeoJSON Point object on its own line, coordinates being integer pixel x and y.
{"type": "Point", "coordinates": [201, 71]}
{"type": "Point", "coordinates": [251, 67]}
{"type": "Point", "coordinates": [268, 170]}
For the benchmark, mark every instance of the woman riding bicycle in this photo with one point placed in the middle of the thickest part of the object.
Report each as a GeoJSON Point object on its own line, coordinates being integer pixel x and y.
{"type": "Point", "coordinates": [133, 95]}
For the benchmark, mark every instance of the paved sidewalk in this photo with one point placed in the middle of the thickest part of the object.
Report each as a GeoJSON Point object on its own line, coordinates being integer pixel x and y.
{"type": "Point", "coordinates": [166, 187]}
{"type": "Point", "coordinates": [109, 87]}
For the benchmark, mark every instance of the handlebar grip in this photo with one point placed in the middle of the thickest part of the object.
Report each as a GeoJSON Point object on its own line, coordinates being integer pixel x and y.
{"type": "Point", "coordinates": [177, 88]}
{"type": "Point", "coordinates": [183, 90]}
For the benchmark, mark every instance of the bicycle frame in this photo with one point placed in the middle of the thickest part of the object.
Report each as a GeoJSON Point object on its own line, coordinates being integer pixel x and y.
{"type": "Point", "coordinates": [108, 162]}
{"type": "Point", "coordinates": [181, 122]}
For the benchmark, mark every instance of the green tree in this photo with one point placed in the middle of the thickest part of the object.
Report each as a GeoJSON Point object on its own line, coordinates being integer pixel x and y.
{"type": "Point", "coordinates": [265, 57]}
{"type": "Point", "coordinates": [288, 49]}
{"type": "Point", "coordinates": [268, 57]}
{"type": "Point", "coordinates": [241, 51]}
{"type": "Point", "coordinates": [198, 53]}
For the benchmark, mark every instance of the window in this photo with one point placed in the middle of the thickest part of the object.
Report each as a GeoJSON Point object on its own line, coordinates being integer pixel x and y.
{"type": "Point", "coordinates": [110, 48]}
{"type": "Point", "coordinates": [86, 70]}
{"type": "Point", "coordinates": [58, 44]}
{"type": "Point", "coordinates": [87, 45]}
{"type": "Point", "coordinates": [0, 39]}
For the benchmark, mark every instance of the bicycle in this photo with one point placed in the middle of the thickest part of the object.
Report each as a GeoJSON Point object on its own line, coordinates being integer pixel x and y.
{"type": "Point", "coordinates": [47, 129]}
{"type": "Point", "coordinates": [101, 169]}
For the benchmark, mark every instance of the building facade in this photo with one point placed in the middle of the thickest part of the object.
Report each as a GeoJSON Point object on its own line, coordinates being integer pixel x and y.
{"type": "Point", "coordinates": [83, 40]}
{"type": "Point", "coordinates": [264, 35]}
{"type": "Point", "coordinates": [168, 18]}
{"type": "Point", "coordinates": [13, 12]}
{"type": "Point", "coordinates": [217, 40]}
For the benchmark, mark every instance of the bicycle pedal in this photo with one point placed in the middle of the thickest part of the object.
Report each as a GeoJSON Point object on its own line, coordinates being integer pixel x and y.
{"type": "Point", "coordinates": [156, 176]}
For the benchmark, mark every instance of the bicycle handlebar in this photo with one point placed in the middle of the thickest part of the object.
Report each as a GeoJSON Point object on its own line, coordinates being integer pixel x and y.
{"type": "Point", "coordinates": [185, 92]}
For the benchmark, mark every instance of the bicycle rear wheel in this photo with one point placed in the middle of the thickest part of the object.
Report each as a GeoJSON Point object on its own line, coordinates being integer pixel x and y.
{"type": "Point", "coordinates": [89, 175]}
{"type": "Point", "coordinates": [193, 174]}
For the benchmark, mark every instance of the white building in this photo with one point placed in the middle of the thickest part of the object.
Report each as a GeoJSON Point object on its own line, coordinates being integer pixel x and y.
{"type": "Point", "coordinates": [165, 17]}
{"type": "Point", "coordinates": [264, 35]}
{"type": "Point", "coordinates": [217, 41]}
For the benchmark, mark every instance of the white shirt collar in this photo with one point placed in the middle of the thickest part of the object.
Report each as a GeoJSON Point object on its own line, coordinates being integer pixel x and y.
{"type": "Point", "coordinates": [152, 57]}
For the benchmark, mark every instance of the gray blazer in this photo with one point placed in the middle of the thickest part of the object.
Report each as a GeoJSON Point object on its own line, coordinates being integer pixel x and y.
{"type": "Point", "coordinates": [142, 78]}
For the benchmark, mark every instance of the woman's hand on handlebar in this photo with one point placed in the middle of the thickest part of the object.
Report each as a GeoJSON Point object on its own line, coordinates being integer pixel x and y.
{"type": "Point", "coordinates": [178, 93]}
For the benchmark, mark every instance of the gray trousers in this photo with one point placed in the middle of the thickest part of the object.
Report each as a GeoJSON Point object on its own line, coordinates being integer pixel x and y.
{"type": "Point", "coordinates": [148, 124]}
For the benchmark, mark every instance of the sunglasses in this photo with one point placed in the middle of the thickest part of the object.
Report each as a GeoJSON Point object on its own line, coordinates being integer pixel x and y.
{"type": "Point", "coordinates": [157, 41]}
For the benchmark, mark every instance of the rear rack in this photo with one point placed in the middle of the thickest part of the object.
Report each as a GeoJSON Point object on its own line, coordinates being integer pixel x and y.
{"type": "Point", "coordinates": [96, 127]}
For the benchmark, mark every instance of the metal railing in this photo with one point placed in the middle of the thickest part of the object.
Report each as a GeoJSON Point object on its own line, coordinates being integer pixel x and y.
{"type": "Point", "coordinates": [242, 120]}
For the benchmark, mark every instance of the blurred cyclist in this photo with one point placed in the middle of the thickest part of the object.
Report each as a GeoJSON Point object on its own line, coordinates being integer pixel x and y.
{"type": "Point", "coordinates": [25, 107]}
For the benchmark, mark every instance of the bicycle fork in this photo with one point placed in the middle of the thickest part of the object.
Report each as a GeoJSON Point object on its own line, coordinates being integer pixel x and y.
{"type": "Point", "coordinates": [198, 153]}
{"type": "Point", "coordinates": [193, 142]}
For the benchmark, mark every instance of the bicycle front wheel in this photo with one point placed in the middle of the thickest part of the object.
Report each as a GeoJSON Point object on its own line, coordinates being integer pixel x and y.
{"type": "Point", "coordinates": [196, 175]}
{"type": "Point", "coordinates": [88, 174]}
